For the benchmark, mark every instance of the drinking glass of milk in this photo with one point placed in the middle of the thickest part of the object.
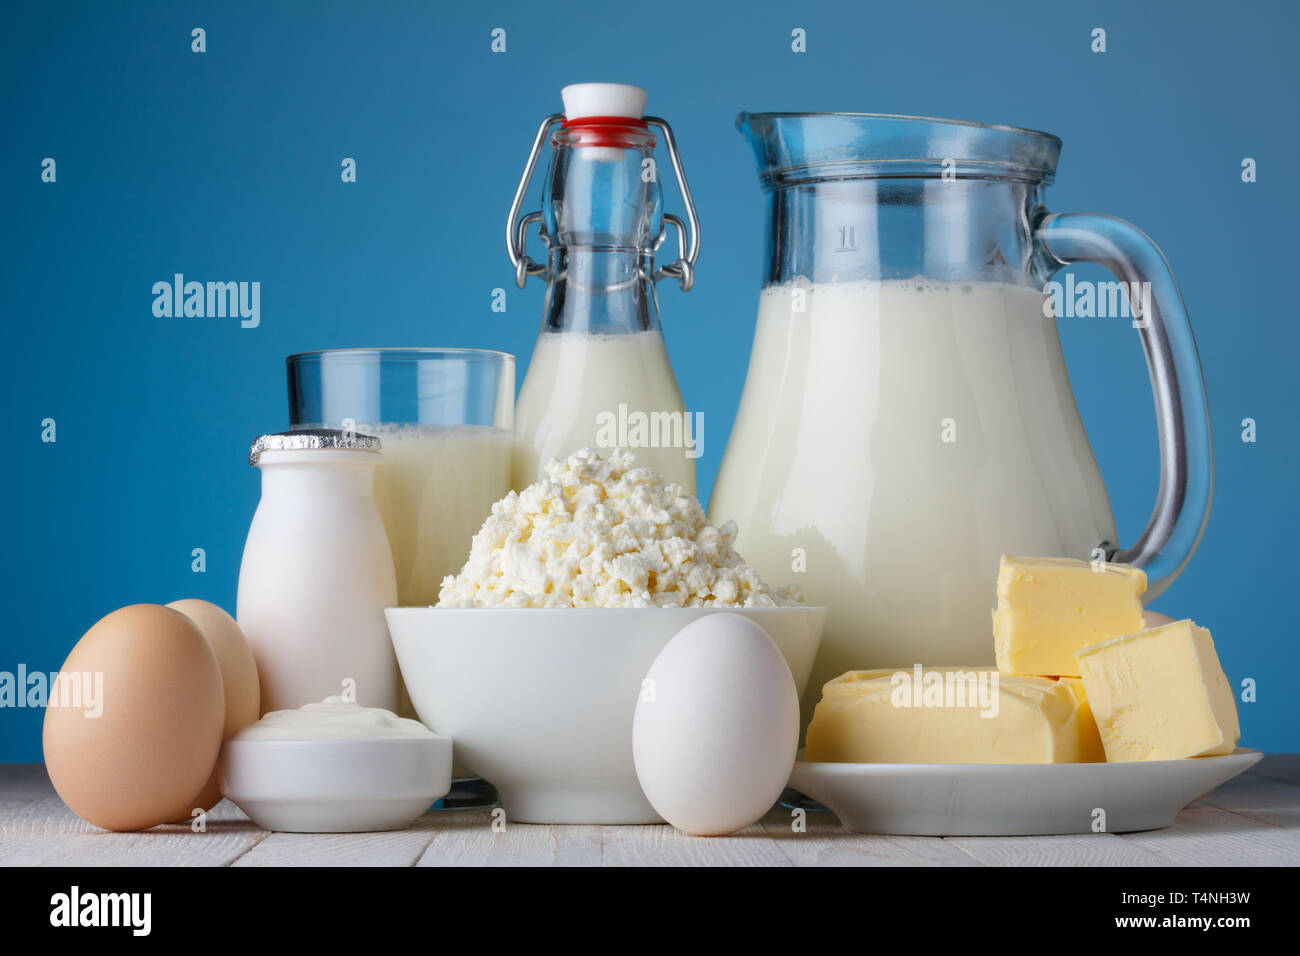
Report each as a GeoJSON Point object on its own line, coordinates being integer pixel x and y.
{"type": "Point", "coordinates": [445, 418]}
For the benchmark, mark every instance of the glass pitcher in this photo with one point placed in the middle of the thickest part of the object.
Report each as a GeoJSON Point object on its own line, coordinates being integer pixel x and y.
{"type": "Point", "coordinates": [907, 417]}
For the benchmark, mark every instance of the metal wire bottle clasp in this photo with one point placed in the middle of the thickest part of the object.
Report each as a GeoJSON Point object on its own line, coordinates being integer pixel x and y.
{"type": "Point", "coordinates": [688, 241]}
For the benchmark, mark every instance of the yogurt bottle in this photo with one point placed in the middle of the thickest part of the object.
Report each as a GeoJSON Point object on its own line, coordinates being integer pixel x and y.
{"type": "Point", "coordinates": [317, 572]}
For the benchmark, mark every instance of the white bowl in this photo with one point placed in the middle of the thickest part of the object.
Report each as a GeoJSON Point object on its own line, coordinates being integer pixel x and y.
{"type": "Point", "coordinates": [336, 786]}
{"type": "Point", "coordinates": [540, 701]}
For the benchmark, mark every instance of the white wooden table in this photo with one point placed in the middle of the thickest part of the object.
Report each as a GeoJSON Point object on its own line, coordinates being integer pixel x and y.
{"type": "Point", "coordinates": [1252, 820]}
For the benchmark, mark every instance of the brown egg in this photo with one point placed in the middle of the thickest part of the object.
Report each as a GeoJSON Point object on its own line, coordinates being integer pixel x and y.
{"type": "Point", "coordinates": [133, 726]}
{"type": "Point", "coordinates": [238, 676]}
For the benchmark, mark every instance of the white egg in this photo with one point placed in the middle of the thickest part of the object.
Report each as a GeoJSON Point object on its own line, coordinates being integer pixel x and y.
{"type": "Point", "coordinates": [716, 726]}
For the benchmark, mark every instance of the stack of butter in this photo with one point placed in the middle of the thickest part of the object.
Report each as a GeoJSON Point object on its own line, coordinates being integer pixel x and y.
{"type": "Point", "coordinates": [1079, 678]}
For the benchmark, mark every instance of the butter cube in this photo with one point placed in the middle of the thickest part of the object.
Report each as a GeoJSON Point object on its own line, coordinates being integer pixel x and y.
{"type": "Point", "coordinates": [1085, 725]}
{"type": "Point", "coordinates": [1048, 608]}
{"type": "Point", "coordinates": [951, 715]}
{"type": "Point", "coordinates": [1160, 694]}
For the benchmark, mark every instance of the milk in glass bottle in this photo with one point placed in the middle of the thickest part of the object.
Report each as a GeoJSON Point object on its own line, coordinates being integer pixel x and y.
{"type": "Point", "coordinates": [600, 374]}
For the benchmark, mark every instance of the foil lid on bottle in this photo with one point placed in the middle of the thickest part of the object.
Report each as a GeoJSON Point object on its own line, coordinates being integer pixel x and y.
{"type": "Point", "coordinates": [313, 439]}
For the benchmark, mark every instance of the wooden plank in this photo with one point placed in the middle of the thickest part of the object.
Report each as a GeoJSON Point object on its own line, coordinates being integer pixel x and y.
{"type": "Point", "coordinates": [825, 843]}
{"type": "Point", "coordinates": [667, 846]}
{"type": "Point", "coordinates": [1260, 798]}
{"type": "Point", "coordinates": [579, 846]}
{"type": "Point", "coordinates": [468, 838]}
{"type": "Point", "coordinates": [1204, 835]}
{"type": "Point", "coordinates": [20, 782]}
{"type": "Point", "coordinates": [1252, 820]}
{"type": "Point", "coordinates": [1284, 768]}
{"type": "Point", "coordinates": [43, 832]}
{"type": "Point", "coordinates": [1070, 849]}
{"type": "Point", "coordinates": [385, 848]}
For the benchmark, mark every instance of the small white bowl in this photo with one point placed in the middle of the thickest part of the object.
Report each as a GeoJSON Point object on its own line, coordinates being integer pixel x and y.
{"type": "Point", "coordinates": [336, 786]}
{"type": "Point", "coordinates": [540, 701]}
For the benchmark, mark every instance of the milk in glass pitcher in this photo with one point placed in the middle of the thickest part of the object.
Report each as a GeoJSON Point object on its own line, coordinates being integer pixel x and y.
{"type": "Point", "coordinates": [907, 417]}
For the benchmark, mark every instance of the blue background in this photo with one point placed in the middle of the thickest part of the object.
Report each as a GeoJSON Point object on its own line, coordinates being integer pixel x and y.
{"type": "Point", "coordinates": [225, 165]}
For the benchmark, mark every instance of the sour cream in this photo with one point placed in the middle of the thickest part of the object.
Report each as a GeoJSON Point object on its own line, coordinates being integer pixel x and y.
{"type": "Point", "coordinates": [333, 719]}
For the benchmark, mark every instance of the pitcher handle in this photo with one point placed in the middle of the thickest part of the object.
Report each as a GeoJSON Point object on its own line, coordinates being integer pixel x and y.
{"type": "Point", "coordinates": [1182, 411]}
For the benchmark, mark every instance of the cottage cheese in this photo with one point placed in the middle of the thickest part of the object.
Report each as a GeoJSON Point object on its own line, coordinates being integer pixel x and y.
{"type": "Point", "coordinates": [599, 532]}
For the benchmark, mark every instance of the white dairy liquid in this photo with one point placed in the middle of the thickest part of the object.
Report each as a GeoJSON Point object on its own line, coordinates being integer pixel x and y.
{"type": "Point", "coordinates": [435, 487]}
{"type": "Point", "coordinates": [838, 449]}
{"type": "Point", "coordinates": [574, 377]}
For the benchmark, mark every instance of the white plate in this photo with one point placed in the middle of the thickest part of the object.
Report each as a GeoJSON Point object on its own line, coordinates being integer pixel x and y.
{"type": "Point", "coordinates": [1013, 799]}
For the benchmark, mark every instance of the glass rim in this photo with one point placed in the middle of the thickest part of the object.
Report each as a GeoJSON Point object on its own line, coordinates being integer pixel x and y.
{"type": "Point", "coordinates": [796, 149]}
{"type": "Point", "coordinates": [1000, 127]}
{"type": "Point", "coordinates": [409, 353]}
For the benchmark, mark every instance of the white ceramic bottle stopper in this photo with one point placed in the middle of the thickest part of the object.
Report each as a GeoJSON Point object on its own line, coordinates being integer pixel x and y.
{"type": "Point", "coordinates": [582, 100]}
{"type": "Point", "coordinates": [603, 99]}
